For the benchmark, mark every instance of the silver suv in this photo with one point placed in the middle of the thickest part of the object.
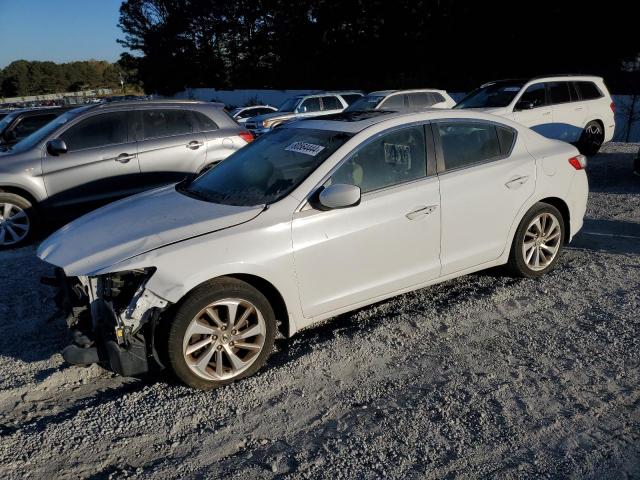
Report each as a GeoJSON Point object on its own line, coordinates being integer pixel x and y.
{"type": "Point", "coordinates": [303, 106]}
{"type": "Point", "coordinates": [95, 154]}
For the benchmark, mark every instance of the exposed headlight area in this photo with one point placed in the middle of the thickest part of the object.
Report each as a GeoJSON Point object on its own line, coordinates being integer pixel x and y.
{"type": "Point", "coordinates": [119, 289]}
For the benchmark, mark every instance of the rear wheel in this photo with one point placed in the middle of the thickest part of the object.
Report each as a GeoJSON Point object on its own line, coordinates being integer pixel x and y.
{"type": "Point", "coordinates": [222, 332]}
{"type": "Point", "coordinates": [17, 220]}
{"type": "Point", "coordinates": [538, 242]}
{"type": "Point", "coordinates": [591, 139]}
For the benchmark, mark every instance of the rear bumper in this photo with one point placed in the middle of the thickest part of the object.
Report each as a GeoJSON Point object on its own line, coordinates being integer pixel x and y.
{"type": "Point", "coordinates": [577, 199]}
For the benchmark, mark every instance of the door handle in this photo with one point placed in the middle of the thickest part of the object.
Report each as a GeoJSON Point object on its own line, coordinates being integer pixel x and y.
{"type": "Point", "coordinates": [421, 211]}
{"type": "Point", "coordinates": [546, 114]}
{"type": "Point", "coordinates": [124, 158]}
{"type": "Point", "coordinates": [194, 144]}
{"type": "Point", "coordinates": [517, 182]}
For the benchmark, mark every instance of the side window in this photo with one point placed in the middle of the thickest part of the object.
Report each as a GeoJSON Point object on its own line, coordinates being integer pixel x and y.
{"type": "Point", "coordinates": [166, 123]}
{"type": "Point", "coordinates": [506, 137]}
{"type": "Point", "coordinates": [310, 105]}
{"type": "Point", "coordinates": [588, 90]}
{"type": "Point", "coordinates": [30, 124]}
{"type": "Point", "coordinates": [350, 97]}
{"type": "Point", "coordinates": [559, 92]}
{"type": "Point", "coordinates": [419, 101]}
{"type": "Point", "coordinates": [436, 98]}
{"type": "Point", "coordinates": [206, 124]}
{"type": "Point", "coordinates": [262, 111]}
{"type": "Point", "coordinates": [391, 159]}
{"type": "Point", "coordinates": [331, 103]}
{"type": "Point", "coordinates": [467, 144]}
{"type": "Point", "coordinates": [252, 112]}
{"type": "Point", "coordinates": [536, 94]}
{"type": "Point", "coordinates": [394, 103]}
{"type": "Point", "coordinates": [97, 131]}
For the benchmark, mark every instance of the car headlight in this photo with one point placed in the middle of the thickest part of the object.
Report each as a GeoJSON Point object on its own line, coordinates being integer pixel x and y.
{"type": "Point", "coordinates": [119, 288]}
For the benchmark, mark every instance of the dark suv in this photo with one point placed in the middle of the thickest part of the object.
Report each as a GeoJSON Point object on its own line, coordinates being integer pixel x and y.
{"type": "Point", "coordinates": [94, 154]}
{"type": "Point", "coordinates": [18, 124]}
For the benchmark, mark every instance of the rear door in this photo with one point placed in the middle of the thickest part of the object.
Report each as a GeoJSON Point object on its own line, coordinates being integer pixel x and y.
{"type": "Point", "coordinates": [486, 176]}
{"type": "Point", "coordinates": [170, 145]}
{"type": "Point", "coordinates": [540, 116]}
{"type": "Point", "coordinates": [100, 164]}
{"type": "Point", "coordinates": [569, 114]}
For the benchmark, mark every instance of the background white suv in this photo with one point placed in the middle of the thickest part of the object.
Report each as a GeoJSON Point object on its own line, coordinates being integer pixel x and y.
{"type": "Point", "coordinates": [574, 108]}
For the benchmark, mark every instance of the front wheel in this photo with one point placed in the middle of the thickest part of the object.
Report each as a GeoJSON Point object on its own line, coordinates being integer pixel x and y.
{"type": "Point", "coordinates": [591, 139]}
{"type": "Point", "coordinates": [17, 220]}
{"type": "Point", "coordinates": [537, 242]}
{"type": "Point", "coordinates": [222, 332]}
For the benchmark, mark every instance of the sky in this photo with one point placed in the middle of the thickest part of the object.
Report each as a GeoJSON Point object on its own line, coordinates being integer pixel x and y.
{"type": "Point", "coordinates": [59, 30]}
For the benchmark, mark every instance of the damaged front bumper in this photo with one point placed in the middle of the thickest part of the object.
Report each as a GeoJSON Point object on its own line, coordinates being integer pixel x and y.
{"type": "Point", "coordinates": [112, 318]}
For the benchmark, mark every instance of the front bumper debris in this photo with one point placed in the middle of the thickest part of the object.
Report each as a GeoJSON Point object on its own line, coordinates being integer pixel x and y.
{"type": "Point", "coordinates": [118, 337]}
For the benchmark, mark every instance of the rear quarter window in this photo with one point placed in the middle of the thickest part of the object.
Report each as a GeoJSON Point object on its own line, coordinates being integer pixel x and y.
{"type": "Point", "coordinates": [588, 90]}
{"type": "Point", "coordinates": [205, 123]}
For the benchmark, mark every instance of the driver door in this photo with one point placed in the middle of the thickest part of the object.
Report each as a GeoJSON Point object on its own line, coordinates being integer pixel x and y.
{"type": "Point", "coordinates": [389, 242]}
{"type": "Point", "coordinates": [540, 116]}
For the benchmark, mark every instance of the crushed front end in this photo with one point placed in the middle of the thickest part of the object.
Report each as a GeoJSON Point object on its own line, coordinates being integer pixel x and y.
{"type": "Point", "coordinates": [112, 318]}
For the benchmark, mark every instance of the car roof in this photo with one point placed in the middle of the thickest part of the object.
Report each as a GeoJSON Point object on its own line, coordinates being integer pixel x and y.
{"type": "Point", "coordinates": [411, 90]}
{"type": "Point", "coordinates": [542, 78]}
{"type": "Point", "coordinates": [161, 103]}
{"type": "Point", "coordinates": [355, 122]}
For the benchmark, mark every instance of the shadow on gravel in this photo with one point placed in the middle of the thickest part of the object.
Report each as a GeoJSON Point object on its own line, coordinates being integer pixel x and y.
{"type": "Point", "coordinates": [436, 299]}
{"type": "Point", "coordinates": [612, 236]}
{"type": "Point", "coordinates": [612, 173]}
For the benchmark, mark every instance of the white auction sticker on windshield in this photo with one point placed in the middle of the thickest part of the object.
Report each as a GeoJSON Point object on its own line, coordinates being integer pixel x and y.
{"type": "Point", "coordinates": [306, 148]}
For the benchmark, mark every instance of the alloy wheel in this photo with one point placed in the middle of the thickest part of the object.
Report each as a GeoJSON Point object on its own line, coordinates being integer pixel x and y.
{"type": "Point", "coordinates": [541, 241]}
{"type": "Point", "coordinates": [224, 339]}
{"type": "Point", "coordinates": [14, 224]}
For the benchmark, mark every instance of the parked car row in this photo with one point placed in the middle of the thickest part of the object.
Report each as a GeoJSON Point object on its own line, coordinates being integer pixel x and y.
{"type": "Point", "coordinates": [349, 199]}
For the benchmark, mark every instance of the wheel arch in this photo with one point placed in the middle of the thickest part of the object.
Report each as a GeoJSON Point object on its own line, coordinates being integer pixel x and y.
{"type": "Point", "coordinates": [21, 192]}
{"type": "Point", "coordinates": [286, 325]}
{"type": "Point", "coordinates": [563, 208]}
{"type": "Point", "coordinates": [274, 297]}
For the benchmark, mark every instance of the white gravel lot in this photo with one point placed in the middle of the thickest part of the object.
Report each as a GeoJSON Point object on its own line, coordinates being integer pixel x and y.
{"type": "Point", "coordinates": [483, 376]}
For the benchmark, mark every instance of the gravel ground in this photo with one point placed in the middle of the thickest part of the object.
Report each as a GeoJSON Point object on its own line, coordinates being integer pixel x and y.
{"type": "Point", "coordinates": [482, 376]}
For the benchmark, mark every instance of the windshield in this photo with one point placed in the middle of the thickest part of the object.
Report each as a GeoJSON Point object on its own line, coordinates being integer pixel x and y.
{"type": "Point", "coordinates": [4, 123]}
{"type": "Point", "coordinates": [497, 94]}
{"type": "Point", "coordinates": [366, 103]}
{"type": "Point", "coordinates": [36, 137]}
{"type": "Point", "coordinates": [289, 105]}
{"type": "Point", "coordinates": [267, 169]}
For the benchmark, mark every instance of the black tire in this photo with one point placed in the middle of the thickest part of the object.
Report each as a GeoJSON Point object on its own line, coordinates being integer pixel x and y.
{"type": "Point", "coordinates": [206, 294]}
{"type": "Point", "coordinates": [517, 265]}
{"type": "Point", "coordinates": [23, 204]}
{"type": "Point", "coordinates": [591, 138]}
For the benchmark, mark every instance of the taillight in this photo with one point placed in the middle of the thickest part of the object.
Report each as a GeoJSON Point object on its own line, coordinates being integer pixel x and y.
{"type": "Point", "coordinates": [613, 107]}
{"type": "Point", "coordinates": [246, 136]}
{"type": "Point", "coordinates": [579, 162]}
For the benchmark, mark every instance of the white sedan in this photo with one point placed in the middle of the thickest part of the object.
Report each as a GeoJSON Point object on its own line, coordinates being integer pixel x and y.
{"type": "Point", "coordinates": [317, 218]}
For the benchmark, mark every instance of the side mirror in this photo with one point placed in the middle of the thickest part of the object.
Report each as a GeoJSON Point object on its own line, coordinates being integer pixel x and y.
{"type": "Point", "coordinates": [56, 147]}
{"type": "Point", "coordinates": [338, 196]}
{"type": "Point", "coordinates": [524, 105]}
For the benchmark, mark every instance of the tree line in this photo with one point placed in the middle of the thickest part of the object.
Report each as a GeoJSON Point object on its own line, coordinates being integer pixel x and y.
{"type": "Point", "coordinates": [22, 77]}
{"type": "Point", "coordinates": [331, 44]}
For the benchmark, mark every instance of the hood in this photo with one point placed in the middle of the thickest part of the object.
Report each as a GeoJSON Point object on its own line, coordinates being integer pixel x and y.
{"type": "Point", "coordinates": [136, 225]}
{"type": "Point", "coordinates": [267, 116]}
